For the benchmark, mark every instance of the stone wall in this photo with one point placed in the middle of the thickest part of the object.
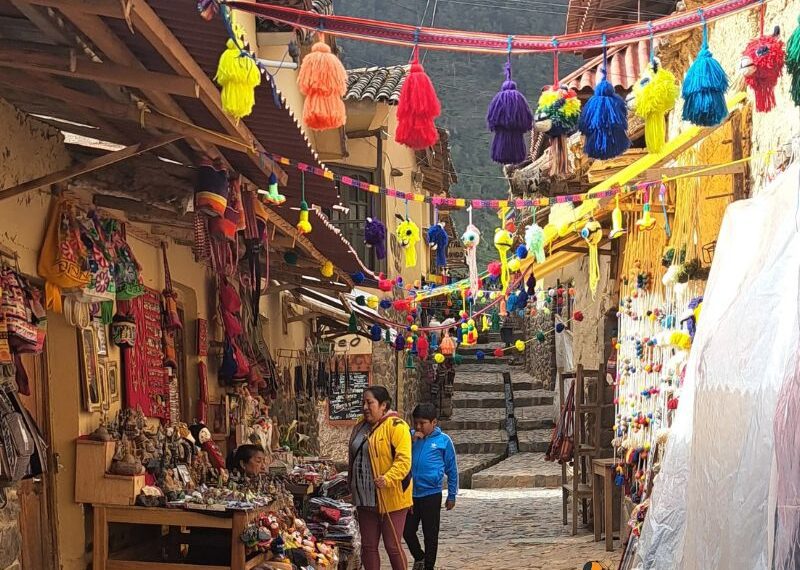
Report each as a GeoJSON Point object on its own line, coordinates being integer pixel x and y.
{"type": "Point", "coordinates": [10, 539]}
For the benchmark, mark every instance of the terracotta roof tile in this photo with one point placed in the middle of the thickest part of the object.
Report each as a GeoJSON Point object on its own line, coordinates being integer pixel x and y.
{"type": "Point", "coordinates": [625, 64]}
{"type": "Point", "coordinates": [380, 84]}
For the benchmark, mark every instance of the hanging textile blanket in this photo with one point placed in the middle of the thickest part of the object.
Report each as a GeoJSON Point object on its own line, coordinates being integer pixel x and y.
{"type": "Point", "coordinates": [146, 380]}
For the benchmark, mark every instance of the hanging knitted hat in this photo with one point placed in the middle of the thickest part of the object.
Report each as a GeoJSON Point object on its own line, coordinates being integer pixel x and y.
{"type": "Point", "coordinates": [323, 81]}
{"type": "Point", "coordinates": [238, 76]}
{"type": "Point", "coordinates": [211, 188]}
{"type": "Point", "coordinates": [793, 62]}
{"type": "Point", "coordinates": [375, 236]}
{"type": "Point", "coordinates": [417, 109]}
{"type": "Point", "coordinates": [652, 97]}
{"type": "Point", "coordinates": [509, 117]}
{"type": "Point", "coordinates": [704, 88]}
{"type": "Point", "coordinates": [762, 66]}
{"type": "Point", "coordinates": [604, 120]}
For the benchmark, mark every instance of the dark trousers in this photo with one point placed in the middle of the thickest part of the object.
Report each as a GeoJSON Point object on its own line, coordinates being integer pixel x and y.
{"type": "Point", "coordinates": [428, 510]}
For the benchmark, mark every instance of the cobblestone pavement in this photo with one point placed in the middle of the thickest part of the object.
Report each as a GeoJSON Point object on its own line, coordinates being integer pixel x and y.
{"type": "Point", "coordinates": [494, 529]}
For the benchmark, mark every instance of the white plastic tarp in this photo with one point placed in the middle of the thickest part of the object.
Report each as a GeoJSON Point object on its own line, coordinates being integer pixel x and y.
{"type": "Point", "coordinates": [731, 456]}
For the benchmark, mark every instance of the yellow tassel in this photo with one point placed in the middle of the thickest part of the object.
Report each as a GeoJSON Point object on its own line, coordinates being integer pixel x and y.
{"type": "Point", "coordinates": [592, 233]}
{"type": "Point", "coordinates": [303, 225]}
{"type": "Point", "coordinates": [238, 75]}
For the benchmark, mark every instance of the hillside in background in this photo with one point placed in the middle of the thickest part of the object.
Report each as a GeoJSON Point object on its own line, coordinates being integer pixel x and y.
{"type": "Point", "coordinates": [466, 83]}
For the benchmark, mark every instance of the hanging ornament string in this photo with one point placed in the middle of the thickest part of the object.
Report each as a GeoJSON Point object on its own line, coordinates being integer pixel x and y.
{"type": "Point", "coordinates": [482, 42]}
{"type": "Point", "coordinates": [652, 43]}
{"type": "Point", "coordinates": [556, 80]}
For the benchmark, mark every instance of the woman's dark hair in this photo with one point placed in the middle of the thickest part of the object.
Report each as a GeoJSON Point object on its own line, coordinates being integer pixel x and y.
{"type": "Point", "coordinates": [381, 394]}
{"type": "Point", "coordinates": [243, 454]}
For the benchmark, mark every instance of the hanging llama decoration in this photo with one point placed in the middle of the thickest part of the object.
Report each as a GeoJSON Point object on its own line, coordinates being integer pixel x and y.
{"type": "Point", "coordinates": [471, 239]}
{"type": "Point", "coordinates": [375, 237]}
{"type": "Point", "coordinates": [762, 65]}
{"type": "Point", "coordinates": [323, 81]}
{"type": "Point", "coordinates": [604, 119]}
{"type": "Point", "coordinates": [509, 117]}
{"type": "Point", "coordinates": [503, 241]}
{"type": "Point", "coordinates": [438, 241]}
{"type": "Point", "coordinates": [652, 97]}
{"type": "Point", "coordinates": [534, 241]}
{"type": "Point", "coordinates": [238, 76]}
{"type": "Point", "coordinates": [408, 236]}
{"type": "Point", "coordinates": [793, 62]}
{"type": "Point", "coordinates": [417, 108]}
{"type": "Point", "coordinates": [704, 87]}
{"type": "Point", "coordinates": [592, 234]}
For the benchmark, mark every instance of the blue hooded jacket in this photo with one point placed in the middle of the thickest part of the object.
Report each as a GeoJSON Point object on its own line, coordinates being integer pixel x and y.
{"type": "Point", "coordinates": [431, 458]}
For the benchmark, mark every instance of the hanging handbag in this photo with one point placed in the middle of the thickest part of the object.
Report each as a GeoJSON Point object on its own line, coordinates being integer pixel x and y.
{"type": "Point", "coordinates": [23, 335]}
{"type": "Point", "coordinates": [172, 319]}
{"type": "Point", "coordinates": [126, 270]}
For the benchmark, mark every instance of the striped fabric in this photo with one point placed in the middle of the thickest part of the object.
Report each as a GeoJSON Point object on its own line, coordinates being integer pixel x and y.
{"type": "Point", "coordinates": [363, 484]}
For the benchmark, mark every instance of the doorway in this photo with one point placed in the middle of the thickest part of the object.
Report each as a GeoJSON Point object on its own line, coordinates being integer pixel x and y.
{"type": "Point", "coordinates": [36, 495]}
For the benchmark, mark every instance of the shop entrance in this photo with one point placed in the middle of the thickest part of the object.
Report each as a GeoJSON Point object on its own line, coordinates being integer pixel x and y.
{"type": "Point", "coordinates": [36, 495]}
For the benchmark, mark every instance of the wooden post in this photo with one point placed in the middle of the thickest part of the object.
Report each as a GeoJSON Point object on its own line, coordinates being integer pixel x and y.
{"type": "Point", "coordinates": [511, 420]}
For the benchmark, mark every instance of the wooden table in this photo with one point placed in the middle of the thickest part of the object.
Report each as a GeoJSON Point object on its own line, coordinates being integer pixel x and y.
{"type": "Point", "coordinates": [603, 470]}
{"type": "Point", "coordinates": [235, 521]}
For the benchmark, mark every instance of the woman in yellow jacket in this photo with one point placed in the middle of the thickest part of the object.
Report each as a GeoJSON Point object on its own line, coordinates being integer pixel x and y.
{"type": "Point", "coordinates": [380, 478]}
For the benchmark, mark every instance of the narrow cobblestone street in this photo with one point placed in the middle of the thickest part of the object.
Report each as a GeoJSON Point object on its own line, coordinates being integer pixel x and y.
{"type": "Point", "coordinates": [496, 529]}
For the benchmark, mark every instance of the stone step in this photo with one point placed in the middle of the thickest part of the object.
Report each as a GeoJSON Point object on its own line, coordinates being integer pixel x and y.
{"type": "Point", "coordinates": [494, 387]}
{"type": "Point", "coordinates": [485, 348]}
{"type": "Point", "coordinates": [467, 360]}
{"type": "Point", "coordinates": [495, 441]}
{"type": "Point", "coordinates": [469, 464]}
{"type": "Point", "coordinates": [522, 470]}
{"type": "Point", "coordinates": [522, 425]}
{"type": "Point", "coordinates": [522, 413]}
{"type": "Point", "coordinates": [522, 399]}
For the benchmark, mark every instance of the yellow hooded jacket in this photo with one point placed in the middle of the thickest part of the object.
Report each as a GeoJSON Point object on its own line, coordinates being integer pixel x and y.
{"type": "Point", "coordinates": [390, 456]}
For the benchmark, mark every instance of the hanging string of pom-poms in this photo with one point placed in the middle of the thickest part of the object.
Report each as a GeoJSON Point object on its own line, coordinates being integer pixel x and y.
{"type": "Point", "coordinates": [482, 42]}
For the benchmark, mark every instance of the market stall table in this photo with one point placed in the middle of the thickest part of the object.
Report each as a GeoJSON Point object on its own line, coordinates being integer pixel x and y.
{"type": "Point", "coordinates": [233, 520]}
{"type": "Point", "coordinates": [603, 470]}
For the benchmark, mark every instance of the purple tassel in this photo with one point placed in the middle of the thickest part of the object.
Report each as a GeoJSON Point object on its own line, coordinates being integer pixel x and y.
{"type": "Point", "coordinates": [375, 235]}
{"type": "Point", "coordinates": [509, 117]}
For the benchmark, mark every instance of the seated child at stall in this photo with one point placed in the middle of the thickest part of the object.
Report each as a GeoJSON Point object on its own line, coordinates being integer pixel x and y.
{"type": "Point", "coordinates": [432, 456]}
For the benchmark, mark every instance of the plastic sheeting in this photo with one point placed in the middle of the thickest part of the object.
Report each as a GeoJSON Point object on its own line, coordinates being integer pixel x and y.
{"type": "Point", "coordinates": [713, 504]}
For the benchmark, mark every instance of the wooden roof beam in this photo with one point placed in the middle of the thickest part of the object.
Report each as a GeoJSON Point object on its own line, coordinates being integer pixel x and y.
{"type": "Point", "coordinates": [88, 166]}
{"type": "Point", "coordinates": [70, 63]}
{"type": "Point", "coordinates": [145, 20]}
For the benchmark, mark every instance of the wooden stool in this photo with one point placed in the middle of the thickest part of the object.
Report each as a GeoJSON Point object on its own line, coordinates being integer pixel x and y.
{"type": "Point", "coordinates": [603, 470]}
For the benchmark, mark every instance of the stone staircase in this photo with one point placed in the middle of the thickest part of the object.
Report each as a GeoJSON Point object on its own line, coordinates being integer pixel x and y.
{"type": "Point", "coordinates": [477, 424]}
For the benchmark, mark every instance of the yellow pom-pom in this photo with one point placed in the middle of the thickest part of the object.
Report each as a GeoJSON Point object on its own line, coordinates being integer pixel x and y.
{"type": "Point", "coordinates": [238, 76]}
{"type": "Point", "coordinates": [372, 302]}
{"type": "Point", "coordinates": [519, 345]}
{"type": "Point", "coordinates": [438, 358]}
{"type": "Point", "coordinates": [652, 97]}
{"type": "Point", "coordinates": [514, 265]}
{"type": "Point", "coordinates": [414, 328]}
{"type": "Point", "coordinates": [327, 269]}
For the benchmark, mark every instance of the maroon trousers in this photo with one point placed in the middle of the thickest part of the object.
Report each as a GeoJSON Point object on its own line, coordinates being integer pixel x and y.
{"type": "Point", "coordinates": [373, 525]}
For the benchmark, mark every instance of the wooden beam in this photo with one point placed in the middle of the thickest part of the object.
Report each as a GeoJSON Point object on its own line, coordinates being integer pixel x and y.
{"type": "Point", "coordinates": [69, 63]}
{"type": "Point", "coordinates": [137, 209]}
{"type": "Point", "coordinates": [141, 115]}
{"type": "Point", "coordinates": [707, 170]}
{"type": "Point", "coordinates": [88, 166]}
{"type": "Point", "coordinates": [106, 8]}
{"type": "Point", "coordinates": [304, 317]}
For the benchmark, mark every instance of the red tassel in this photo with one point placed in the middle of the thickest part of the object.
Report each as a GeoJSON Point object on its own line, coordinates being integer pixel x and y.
{"type": "Point", "coordinates": [417, 109]}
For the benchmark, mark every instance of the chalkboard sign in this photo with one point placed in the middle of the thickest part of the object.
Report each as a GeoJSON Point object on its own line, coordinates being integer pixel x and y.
{"type": "Point", "coordinates": [345, 398]}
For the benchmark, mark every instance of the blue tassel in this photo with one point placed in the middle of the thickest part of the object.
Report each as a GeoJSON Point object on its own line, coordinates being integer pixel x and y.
{"type": "Point", "coordinates": [357, 277]}
{"type": "Point", "coordinates": [704, 89]}
{"type": "Point", "coordinates": [509, 117]}
{"type": "Point", "coordinates": [522, 299]}
{"type": "Point", "coordinates": [375, 333]}
{"type": "Point", "coordinates": [604, 122]}
{"type": "Point", "coordinates": [619, 480]}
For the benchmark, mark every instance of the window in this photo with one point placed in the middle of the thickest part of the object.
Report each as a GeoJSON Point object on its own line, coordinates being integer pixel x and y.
{"type": "Point", "coordinates": [356, 206]}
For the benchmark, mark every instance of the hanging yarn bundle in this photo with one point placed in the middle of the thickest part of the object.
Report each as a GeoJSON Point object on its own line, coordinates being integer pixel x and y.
{"type": "Point", "coordinates": [375, 333]}
{"type": "Point", "coordinates": [438, 240]}
{"type": "Point", "coordinates": [793, 62]}
{"type": "Point", "coordinates": [408, 235]}
{"type": "Point", "coordinates": [592, 233]}
{"type": "Point", "coordinates": [557, 114]}
{"type": "Point", "coordinates": [604, 119]}
{"type": "Point", "coordinates": [503, 241]}
{"type": "Point", "coordinates": [323, 81]}
{"type": "Point", "coordinates": [238, 76]}
{"type": "Point", "coordinates": [704, 88]}
{"type": "Point", "coordinates": [534, 241]}
{"type": "Point", "coordinates": [762, 65]}
{"type": "Point", "coordinates": [471, 238]}
{"type": "Point", "coordinates": [509, 117]}
{"type": "Point", "coordinates": [375, 237]}
{"type": "Point", "coordinates": [303, 224]}
{"type": "Point", "coordinates": [273, 196]}
{"type": "Point", "coordinates": [652, 97]}
{"type": "Point", "coordinates": [417, 109]}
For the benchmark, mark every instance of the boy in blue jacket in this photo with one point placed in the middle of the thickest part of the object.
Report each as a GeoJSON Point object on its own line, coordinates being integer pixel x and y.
{"type": "Point", "coordinates": [432, 456]}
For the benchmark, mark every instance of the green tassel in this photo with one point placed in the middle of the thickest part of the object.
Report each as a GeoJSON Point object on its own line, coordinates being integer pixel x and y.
{"type": "Point", "coordinates": [793, 62]}
{"type": "Point", "coordinates": [352, 326]}
{"type": "Point", "coordinates": [495, 322]}
{"type": "Point", "coordinates": [106, 312]}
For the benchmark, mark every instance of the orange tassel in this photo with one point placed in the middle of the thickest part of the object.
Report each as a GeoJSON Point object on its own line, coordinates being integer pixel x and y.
{"type": "Point", "coordinates": [323, 81]}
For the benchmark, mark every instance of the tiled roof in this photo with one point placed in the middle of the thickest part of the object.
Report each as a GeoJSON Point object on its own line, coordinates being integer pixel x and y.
{"type": "Point", "coordinates": [380, 84]}
{"type": "Point", "coordinates": [625, 64]}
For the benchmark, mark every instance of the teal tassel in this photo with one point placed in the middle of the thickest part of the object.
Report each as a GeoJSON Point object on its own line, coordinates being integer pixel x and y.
{"type": "Point", "coordinates": [352, 326]}
{"type": "Point", "coordinates": [106, 312]}
{"type": "Point", "coordinates": [704, 89]}
{"type": "Point", "coordinates": [793, 62]}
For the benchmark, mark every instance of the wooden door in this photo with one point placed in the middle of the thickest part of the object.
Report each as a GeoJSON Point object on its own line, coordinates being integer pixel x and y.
{"type": "Point", "coordinates": [37, 495]}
